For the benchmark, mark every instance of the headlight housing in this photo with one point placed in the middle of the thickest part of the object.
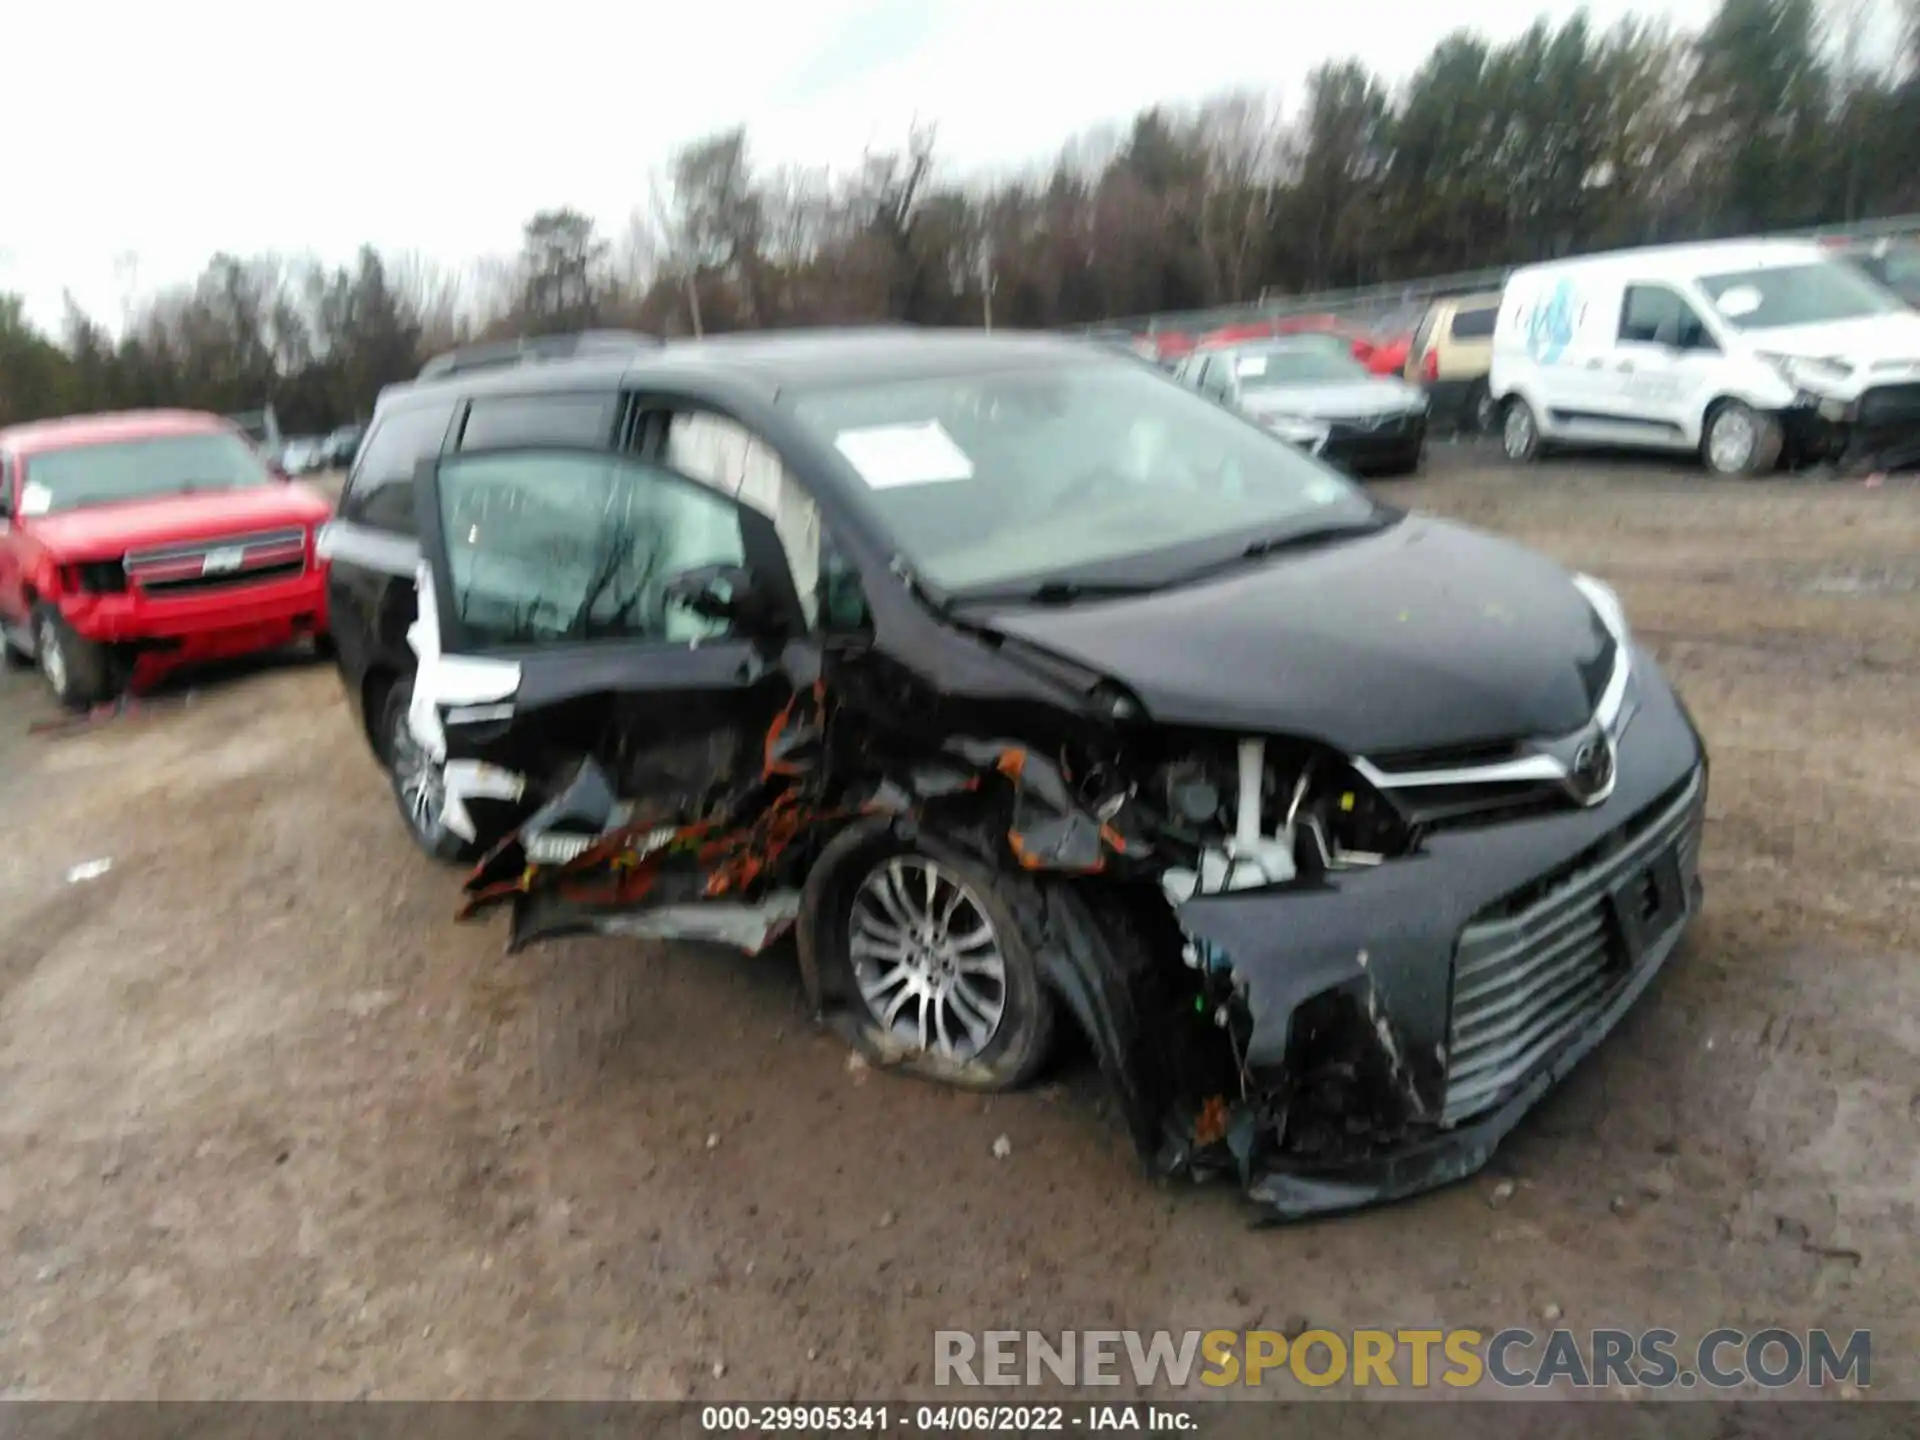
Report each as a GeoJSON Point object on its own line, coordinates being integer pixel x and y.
{"type": "Point", "coordinates": [1809, 372]}
{"type": "Point", "coordinates": [1301, 430]}
{"type": "Point", "coordinates": [1617, 701]}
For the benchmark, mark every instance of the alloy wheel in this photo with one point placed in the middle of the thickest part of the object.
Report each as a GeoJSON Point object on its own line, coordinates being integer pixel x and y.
{"type": "Point", "coordinates": [927, 959]}
{"type": "Point", "coordinates": [1731, 441]}
{"type": "Point", "coordinates": [422, 785]}
{"type": "Point", "coordinates": [1517, 431]}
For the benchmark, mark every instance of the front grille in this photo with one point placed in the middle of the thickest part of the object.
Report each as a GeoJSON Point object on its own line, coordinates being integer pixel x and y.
{"type": "Point", "coordinates": [1527, 980]}
{"type": "Point", "coordinates": [1369, 427]}
{"type": "Point", "coordinates": [226, 563]}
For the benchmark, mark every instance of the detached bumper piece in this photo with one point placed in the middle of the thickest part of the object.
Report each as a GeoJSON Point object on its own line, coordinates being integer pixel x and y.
{"type": "Point", "coordinates": [1527, 983]}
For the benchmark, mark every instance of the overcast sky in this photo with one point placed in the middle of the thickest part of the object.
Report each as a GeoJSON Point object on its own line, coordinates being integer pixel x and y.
{"type": "Point", "coordinates": [167, 131]}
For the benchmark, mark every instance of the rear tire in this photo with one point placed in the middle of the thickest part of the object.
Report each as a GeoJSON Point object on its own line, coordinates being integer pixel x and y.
{"type": "Point", "coordinates": [418, 781]}
{"type": "Point", "coordinates": [1519, 432]}
{"type": "Point", "coordinates": [1480, 415]}
{"type": "Point", "coordinates": [78, 671]}
{"type": "Point", "coordinates": [1741, 441]}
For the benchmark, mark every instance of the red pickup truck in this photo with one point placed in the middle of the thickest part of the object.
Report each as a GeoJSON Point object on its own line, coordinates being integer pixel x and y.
{"type": "Point", "coordinates": [133, 544]}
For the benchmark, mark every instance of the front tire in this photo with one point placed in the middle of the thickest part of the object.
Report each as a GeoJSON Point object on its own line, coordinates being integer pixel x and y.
{"type": "Point", "coordinates": [1519, 432]}
{"type": "Point", "coordinates": [940, 974]}
{"type": "Point", "coordinates": [1741, 441]}
{"type": "Point", "coordinates": [418, 782]}
{"type": "Point", "coordinates": [78, 671]}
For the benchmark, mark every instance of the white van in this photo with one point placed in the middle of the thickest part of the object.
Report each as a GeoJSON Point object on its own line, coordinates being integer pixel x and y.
{"type": "Point", "coordinates": [1734, 350]}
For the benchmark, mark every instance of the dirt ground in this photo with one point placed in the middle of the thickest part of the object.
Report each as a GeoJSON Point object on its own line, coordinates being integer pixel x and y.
{"type": "Point", "coordinates": [274, 1125]}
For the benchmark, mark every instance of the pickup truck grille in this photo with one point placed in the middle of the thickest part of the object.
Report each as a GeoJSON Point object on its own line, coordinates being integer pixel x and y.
{"type": "Point", "coordinates": [223, 564]}
{"type": "Point", "coordinates": [1526, 982]}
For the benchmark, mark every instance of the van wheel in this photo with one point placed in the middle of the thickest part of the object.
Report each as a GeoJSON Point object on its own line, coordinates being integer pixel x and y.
{"type": "Point", "coordinates": [1519, 432]}
{"type": "Point", "coordinates": [418, 780]}
{"type": "Point", "coordinates": [79, 672]}
{"type": "Point", "coordinates": [940, 973]}
{"type": "Point", "coordinates": [1740, 440]}
{"type": "Point", "coordinates": [1483, 416]}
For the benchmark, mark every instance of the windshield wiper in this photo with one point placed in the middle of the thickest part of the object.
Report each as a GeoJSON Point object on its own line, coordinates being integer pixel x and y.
{"type": "Point", "coordinates": [1054, 591]}
{"type": "Point", "coordinates": [1298, 539]}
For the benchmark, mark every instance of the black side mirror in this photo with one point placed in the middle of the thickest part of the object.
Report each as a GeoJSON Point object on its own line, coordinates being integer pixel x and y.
{"type": "Point", "coordinates": [727, 592]}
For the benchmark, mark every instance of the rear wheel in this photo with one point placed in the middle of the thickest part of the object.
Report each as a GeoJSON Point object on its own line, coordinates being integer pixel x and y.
{"type": "Point", "coordinates": [1740, 440]}
{"type": "Point", "coordinates": [78, 671]}
{"type": "Point", "coordinates": [418, 780]}
{"type": "Point", "coordinates": [1482, 415]}
{"type": "Point", "coordinates": [1519, 432]}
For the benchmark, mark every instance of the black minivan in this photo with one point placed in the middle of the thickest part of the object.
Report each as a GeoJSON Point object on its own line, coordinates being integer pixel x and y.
{"type": "Point", "coordinates": [1014, 681]}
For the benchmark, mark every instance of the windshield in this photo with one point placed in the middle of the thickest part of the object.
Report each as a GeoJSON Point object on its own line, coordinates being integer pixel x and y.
{"type": "Point", "coordinates": [987, 480]}
{"type": "Point", "coordinates": [138, 469]}
{"type": "Point", "coordinates": [1300, 362]}
{"type": "Point", "coordinates": [1816, 293]}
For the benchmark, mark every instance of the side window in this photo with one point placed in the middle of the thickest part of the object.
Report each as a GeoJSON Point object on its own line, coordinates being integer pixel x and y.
{"type": "Point", "coordinates": [721, 452]}
{"type": "Point", "coordinates": [1655, 315]}
{"type": "Point", "coordinates": [1474, 324]}
{"type": "Point", "coordinates": [577, 547]}
{"type": "Point", "coordinates": [6, 488]}
{"type": "Point", "coordinates": [379, 493]}
{"type": "Point", "coordinates": [500, 422]}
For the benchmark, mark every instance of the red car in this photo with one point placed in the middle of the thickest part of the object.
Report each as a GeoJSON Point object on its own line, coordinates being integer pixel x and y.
{"type": "Point", "coordinates": [137, 543]}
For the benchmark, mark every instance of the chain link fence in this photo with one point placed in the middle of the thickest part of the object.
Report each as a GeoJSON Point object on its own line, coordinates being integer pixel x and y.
{"type": "Point", "coordinates": [1400, 305]}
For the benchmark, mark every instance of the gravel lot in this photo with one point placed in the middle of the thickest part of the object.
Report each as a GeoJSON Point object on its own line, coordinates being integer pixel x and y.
{"type": "Point", "coordinates": [275, 1125]}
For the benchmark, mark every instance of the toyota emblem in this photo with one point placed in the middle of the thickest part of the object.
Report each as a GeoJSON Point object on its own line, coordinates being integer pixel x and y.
{"type": "Point", "coordinates": [1591, 774]}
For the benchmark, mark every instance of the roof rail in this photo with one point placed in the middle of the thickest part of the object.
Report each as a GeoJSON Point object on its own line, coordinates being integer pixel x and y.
{"type": "Point", "coordinates": [526, 349]}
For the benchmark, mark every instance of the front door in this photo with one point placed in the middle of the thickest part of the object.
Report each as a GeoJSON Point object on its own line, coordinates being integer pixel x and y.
{"type": "Point", "coordinates": [612, 633]}
{"type": "Point", "coordinates": [1664, 364]}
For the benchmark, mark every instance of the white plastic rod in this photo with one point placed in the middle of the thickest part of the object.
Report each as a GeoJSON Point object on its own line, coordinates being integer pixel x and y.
{"type": "Point", "coordinates": [1246, 831]}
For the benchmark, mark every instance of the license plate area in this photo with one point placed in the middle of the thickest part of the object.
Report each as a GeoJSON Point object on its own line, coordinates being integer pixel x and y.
{"type": "Point", "coordinates": [1645, 903]}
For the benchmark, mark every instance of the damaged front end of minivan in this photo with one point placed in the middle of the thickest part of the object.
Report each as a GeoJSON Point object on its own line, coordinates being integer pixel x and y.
{"type": "Point", "coordinates": [1321, 974]}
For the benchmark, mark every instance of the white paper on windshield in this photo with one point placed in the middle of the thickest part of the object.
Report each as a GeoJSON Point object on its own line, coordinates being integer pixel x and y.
{"type": "Point", "coordinates": [35, 499]}
{"type": "Point", "coordinates": [1250, 365]}
{"type": "Point", "coordinates": [892, 455]}
{"type": "Point", "coordinates": [1740, 301]}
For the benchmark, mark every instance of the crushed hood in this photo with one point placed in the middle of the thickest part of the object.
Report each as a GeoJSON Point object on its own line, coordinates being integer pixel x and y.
{"type": "Point", "coordinates": [105, 531]}
{"type": "Point", "coordinates": [1870, 341]}
{"type": "Point", "coordinates": [1424, 635]}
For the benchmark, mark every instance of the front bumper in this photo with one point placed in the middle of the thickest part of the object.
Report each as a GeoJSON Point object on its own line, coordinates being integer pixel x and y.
{"type": "Point", "coordinates": [186, 621]}
{"type": "Point", "coordinates": [1394, 443]}
{"type": "Point", "coordinates": [1477, 973]}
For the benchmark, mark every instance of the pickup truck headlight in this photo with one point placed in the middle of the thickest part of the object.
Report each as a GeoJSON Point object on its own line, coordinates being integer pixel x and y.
{"type": "Point", "coordinates": [96, 577]}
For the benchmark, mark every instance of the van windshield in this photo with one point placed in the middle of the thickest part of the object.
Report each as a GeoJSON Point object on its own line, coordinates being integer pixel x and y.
{"type": "Point", "coordinates": [1105, 467]}
{"type": "Point", "coordinates": [1816, 293]}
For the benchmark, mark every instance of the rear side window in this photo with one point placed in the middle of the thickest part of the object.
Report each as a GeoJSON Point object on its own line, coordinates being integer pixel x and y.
{"type": "Point", "coordinates": [502, 422]}
{"type": "Point", "coordinates": [1473, 324]}
{"type": "Point", "coordinates": [380, 493]}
